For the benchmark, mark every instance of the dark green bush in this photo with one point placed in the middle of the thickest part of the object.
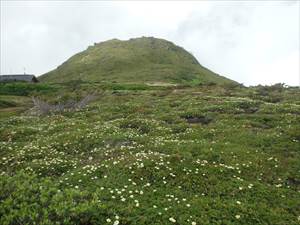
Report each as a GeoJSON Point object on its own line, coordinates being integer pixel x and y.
{"type": "Point", "coordinates": [25, 199]}
{"type": "Point", "coordinates": [5, 104]}
{"type": "Point", "coordinates": [136, 124]}
{"type": "Point", "coordinates": [24, 89]}
{"type": "Point", "coordinates": [195, 117]}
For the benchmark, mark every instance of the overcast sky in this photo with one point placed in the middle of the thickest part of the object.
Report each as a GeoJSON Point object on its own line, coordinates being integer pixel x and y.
{"type": "Point", "coordinates": [252, 42]}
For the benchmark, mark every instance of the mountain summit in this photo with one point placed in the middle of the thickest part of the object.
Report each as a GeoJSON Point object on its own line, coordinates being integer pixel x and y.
{"type": "Point", "coordinates": [138, 60]}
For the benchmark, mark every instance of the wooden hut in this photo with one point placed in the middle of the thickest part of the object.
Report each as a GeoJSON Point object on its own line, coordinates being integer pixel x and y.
{"type": "Point", "coordinates": [19, 77]}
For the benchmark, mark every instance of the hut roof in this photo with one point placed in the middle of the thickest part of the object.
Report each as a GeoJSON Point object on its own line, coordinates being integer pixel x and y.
{"type": "Point", "coordinates": [18, 77]}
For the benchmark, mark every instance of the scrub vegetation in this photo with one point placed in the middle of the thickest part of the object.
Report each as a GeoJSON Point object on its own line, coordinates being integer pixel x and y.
{"type": "Point", "coordinates": [141, 154]}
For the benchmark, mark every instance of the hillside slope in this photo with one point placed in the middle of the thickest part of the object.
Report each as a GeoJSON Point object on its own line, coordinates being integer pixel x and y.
{"type": "Point", "coordinates": [138, 60]}
{"type": "Point", "coordinates": [199, 156]}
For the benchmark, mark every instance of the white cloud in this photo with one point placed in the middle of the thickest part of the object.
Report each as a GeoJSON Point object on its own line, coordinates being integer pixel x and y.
{"type": "Point", "coordinates": [250, 42]}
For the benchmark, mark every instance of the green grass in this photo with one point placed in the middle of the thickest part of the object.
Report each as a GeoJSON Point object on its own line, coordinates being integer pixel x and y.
{"type": "Point", "coordinates": [25, 89]}
{"type": "Point", "coordinates": [139, 60]}
{"type": "Point", "coordinates": [132, 157]}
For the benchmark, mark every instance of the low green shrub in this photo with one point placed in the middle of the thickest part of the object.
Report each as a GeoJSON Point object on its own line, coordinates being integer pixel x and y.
{"type": "Point", "coordinates": [136, 124]}
{"type": "Point", "coordinates": [25, 89]}
{"type": "Point", "coordinates": [6, 104]}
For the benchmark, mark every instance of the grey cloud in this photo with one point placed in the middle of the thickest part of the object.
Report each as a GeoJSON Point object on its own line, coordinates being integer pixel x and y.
{"type": "Point", "coordinates": [241, 40]}
{"type": "Point", "coordinates": [52, 34]}
{"type": "Point", "coordinates": [223, 24]}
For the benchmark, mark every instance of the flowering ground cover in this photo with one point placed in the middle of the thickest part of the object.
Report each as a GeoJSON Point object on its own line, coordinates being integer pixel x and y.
{"type": "Point", "coordinates": [202, 155]}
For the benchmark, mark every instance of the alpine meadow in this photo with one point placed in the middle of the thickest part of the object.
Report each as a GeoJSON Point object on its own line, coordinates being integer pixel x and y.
{"type": "Point", "coordinates": [138, 132]}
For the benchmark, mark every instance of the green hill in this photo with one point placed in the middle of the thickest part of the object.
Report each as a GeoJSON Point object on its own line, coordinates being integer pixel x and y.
{"type": "Point", "coordinates": [139, 60]}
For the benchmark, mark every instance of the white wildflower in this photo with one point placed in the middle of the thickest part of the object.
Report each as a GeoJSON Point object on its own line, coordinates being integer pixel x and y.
{"type": "Point", "coordinates": [172, 220]}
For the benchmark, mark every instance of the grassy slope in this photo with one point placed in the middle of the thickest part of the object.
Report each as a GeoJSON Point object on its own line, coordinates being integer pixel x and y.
{"type": "Point", "coordinates": [137, 60]}
{"type": "Point", "coordinates": [132, 154]}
